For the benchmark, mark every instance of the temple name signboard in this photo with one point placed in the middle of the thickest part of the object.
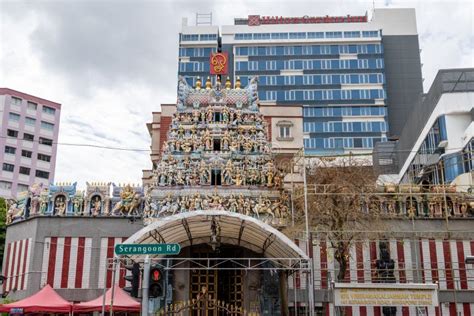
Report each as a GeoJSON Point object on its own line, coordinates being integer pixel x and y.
{"type": "Point", "coordinates": [377, 294]}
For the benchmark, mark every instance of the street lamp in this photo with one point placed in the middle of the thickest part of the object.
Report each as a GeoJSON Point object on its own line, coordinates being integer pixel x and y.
{"type": "Point", "coordinates": [469, 260]}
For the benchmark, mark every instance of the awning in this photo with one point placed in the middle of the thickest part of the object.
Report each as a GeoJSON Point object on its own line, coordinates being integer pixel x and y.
{"type": "Point", "coordinates": [122, 302]}
{"type": "Point", "coordinates": [193, 228]}
{"type": "Point", "coordinates": [44, 301]}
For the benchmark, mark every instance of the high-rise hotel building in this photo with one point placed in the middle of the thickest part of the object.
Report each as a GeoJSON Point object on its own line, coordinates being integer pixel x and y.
{"type": "Point", "coordinates": [29, 136]}
{"type": "Point", "coordinates": [357, 77]}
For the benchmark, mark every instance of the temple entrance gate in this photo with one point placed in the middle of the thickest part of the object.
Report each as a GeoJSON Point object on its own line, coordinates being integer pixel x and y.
{"type": "Point", "coordinates": [229, 254]}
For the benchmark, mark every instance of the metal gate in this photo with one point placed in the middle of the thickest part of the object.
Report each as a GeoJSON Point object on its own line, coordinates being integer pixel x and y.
{"type": "Point", "coordinates": [204, 305]}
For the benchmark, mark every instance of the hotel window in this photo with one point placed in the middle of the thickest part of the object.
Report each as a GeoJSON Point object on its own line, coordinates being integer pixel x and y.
{"type": "Point", "coordinates": [344, 64]}
{"type": "Point", "coordinates": [45, 141]}
{"type": "Point", "coordinates": [307, 64]}
{"type": "Point", "coordinates": [16, 101]}
{"type": "Point", "coordinates": [48, 110]}
{"type": "Point", "coordinates": [271, 80]}
{"type": "Point", "coordinates": [25, 170]}
{"type": "Point", "coordinates": [13, 117]}
{"type": "Point", "coordinates": [326, 79]}
{"type": "Point", "coordinates": [346, 79]}
{"type": "Point", "coordinates": [44, 157]}
{"type": "Point", "coordinates": [315, 35]}
{"type": "Point", "coordinates": [327, 95]}
{"type": "Point", "coordinates": [199, 52]}
{"type": "Point", "coordinates": [270, 50]}
{"type": "Point", "coordinates": [290, 95]}
{"type": "Point", "coordinates": [343, 49]}
{"type": "Point", "coordinates": [379, 63]}
{"type": "Point", "coordinates": [362, 49]}
{"type": "Point", "coordinates": [190, 37]}
{"type": "Point", "coordinates": [5, 185]}
{"type": "Point", "coordinates": [12, 133]}
{"type": "Point", "coordinates": [8, 167]}
{"type": "Point", "coordinates": [306, 50]}
{"type": "Point", "coordinates": [28, 137]}
{"type": "Point", "coordinates": [26, 153]}
{"type": "Point", "coordinates": [370, 33]}
{"type": "Point", "coordinates": [362, 63]}
{"type": "Point", "coordinates": [352, 34]}
{"type": "Point", "coordinates": [289, 50]}
{"type": "Point", "coordinates": [308, 79]}
{"type": "Point", "coordinates": [346, 94]}
{"type": "Point", "coordinates": [197, 66]}
{"type": "Point", "coordinates": [270, 95]}
{"type": "Point", "coordinates": [47, 126]}
{"type": "Point", "coordinates": [271, 65]}
{"type": "Point", "coordinates": [325, 49]}
{"type": "Point", "coordinates": [325, 64]}
{"type": "Point", "coordinates": [253, 51]}
{"type": "Point", "coordinates": [30, 121]}
{"type": "Point", "coordinates": [32, 106]}
{"type": "Point", "coordinates": [289, 64]}
{"type": "Point", "coordinates": [42, 174]}
{"type": "Point", "coordinates": [253, 65]}
{"type": "Point", "coordinates": [289, 80]}
{"type": "Point", "coordinates": [10, 150]}
{"type": "Point", "coordinates": [333, 34]}
{"type": "Point", "coordinates": [297, 35]}
{"type": "Point", "coordinates": [308, 95]}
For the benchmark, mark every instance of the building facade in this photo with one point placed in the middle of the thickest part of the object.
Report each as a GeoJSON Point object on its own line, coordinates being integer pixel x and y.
{"type": "Point", "coordinates": [436, 145]}
{"type": "Point", "coordinates": [30, 127]}
{"type": "Point", "coordinates": [356, 78]}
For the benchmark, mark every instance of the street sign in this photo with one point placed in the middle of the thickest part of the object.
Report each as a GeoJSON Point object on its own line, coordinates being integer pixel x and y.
{"type": "Point", "coordinates": [147, 249]}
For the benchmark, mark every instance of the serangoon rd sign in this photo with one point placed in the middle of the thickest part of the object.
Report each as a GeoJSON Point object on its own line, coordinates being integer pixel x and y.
{"type": "Point", "coordinates": [147, 249]}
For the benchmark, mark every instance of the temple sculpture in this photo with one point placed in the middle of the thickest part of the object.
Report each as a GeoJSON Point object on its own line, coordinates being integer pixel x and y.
{"type": "Point", "coordinates": [217, 157]}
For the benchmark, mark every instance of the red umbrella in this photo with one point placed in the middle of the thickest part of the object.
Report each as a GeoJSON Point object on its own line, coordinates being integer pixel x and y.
{"type": "Point", "coordinates": [46, 300]}
{"type": "Point", "coordinates": [122, 302]}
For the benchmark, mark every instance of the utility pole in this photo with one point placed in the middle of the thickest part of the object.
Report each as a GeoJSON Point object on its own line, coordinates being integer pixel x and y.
{"type": "Point", "coordinates": [309, 242]}
{"type": "Point", "coordinates": [145, 285]}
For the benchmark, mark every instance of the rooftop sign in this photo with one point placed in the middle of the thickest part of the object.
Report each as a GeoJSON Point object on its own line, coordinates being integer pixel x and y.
{"type": "Point", "coordinates": [254, 20]}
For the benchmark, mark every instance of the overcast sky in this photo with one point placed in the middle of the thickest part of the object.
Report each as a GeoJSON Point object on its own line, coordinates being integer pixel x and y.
{"type": "Point", "coordinates": [110, 63]}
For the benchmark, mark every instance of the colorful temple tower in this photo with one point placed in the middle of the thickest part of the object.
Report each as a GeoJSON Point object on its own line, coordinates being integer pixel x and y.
{"type": "Point", "coordinates": [218, 157]}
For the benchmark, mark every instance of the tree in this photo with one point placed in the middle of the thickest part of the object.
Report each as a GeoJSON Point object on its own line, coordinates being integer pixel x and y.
{"type": "Point", "coordinates": [3, 230]}
{"type": "Point", "coordinates": [342, 204]}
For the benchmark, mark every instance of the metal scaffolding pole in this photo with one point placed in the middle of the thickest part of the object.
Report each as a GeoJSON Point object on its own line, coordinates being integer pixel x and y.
{"type": "Point", "coordinates": [308, 243]}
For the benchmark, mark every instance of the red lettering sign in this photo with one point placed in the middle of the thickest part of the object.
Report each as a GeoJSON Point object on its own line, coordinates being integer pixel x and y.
{"type": "Point", "coordinates": [255, 20]}
{"type": "Point", "coordinates": [219, 63]}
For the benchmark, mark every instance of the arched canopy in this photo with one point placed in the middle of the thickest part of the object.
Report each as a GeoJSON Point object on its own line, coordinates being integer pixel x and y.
{"type": "Point", "coordinates": [193, 228]}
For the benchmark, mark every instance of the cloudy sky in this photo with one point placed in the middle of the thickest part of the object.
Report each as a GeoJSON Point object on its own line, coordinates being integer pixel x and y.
{"type": "Point", "coordinates": [110, 63]}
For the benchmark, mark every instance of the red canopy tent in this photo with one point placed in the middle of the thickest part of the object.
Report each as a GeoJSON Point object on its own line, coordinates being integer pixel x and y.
{"type": "Point", "coordinates": [122, 302]}
{"type": "Point", "coordinates": [46, 300]}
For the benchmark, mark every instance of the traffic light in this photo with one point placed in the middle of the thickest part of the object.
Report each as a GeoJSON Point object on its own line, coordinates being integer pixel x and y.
{"type": "Point", "coordinates": [133, 278]}
{"type": "Point", "coordinates": [156, 285]}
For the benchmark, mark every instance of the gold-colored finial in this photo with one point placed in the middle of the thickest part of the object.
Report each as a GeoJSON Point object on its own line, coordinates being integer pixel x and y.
{"type": "Point", "coordinates": [208, 83]}
{"type": "Point", "coordinates": [198, 83]}
{"type": "Point", "coordinates": [228, 85]}
{"type": "Point", "coordinates": [237, 83]}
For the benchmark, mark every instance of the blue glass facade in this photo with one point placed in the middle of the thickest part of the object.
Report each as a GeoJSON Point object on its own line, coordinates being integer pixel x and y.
{"type": "Point", "coordinates": [334, 82]}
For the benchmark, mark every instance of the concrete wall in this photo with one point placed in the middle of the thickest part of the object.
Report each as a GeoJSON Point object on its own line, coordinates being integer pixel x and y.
{"type": "Point", "coordinates": [39, 228]}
